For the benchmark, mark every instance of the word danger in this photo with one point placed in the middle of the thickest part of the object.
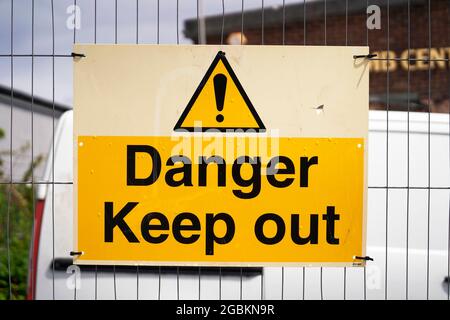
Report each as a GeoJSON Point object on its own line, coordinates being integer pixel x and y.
{"type": "Point", "coordinates": [181, 175]}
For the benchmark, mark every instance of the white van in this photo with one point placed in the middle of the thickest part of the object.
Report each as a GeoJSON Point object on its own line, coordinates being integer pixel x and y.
{"type": "Point", "coordinates": [416, 273]}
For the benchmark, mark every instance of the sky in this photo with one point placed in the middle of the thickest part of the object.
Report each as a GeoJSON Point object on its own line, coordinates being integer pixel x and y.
{"type": "Point", "coordinates": [20, 26]}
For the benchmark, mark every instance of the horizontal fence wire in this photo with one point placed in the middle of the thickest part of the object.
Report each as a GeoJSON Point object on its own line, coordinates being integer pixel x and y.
{"type": "Point", "coordinates": [30, 55]}
{"type": "Point", "coordinates": [370, 187]}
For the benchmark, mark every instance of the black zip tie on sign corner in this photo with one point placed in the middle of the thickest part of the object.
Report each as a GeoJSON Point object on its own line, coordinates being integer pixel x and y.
{"type": "Point", "coordinates": [76, 253]}
{"type": "Point", "coordinates": [78, 55]}
{"type": "Point", "coordinates": [366, 258]}
{"type": "Point", "coordinates": [365, 56]}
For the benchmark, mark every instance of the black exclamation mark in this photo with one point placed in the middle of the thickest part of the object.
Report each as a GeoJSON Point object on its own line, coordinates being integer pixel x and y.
{"type": "Point", "coordinates": [220, 86]}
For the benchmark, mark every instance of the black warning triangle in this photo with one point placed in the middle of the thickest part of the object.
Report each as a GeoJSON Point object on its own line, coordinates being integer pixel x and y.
{"type": "Point", "coordinates": [219, 102]}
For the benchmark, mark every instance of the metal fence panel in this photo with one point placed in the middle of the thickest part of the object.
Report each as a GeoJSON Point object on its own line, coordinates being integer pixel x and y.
{"type": "Point", "coordinates": [401, 202]}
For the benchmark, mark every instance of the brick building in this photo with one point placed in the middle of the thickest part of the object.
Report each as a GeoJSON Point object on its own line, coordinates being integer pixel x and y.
{"type": "Point", "coordinates": [343, 22]}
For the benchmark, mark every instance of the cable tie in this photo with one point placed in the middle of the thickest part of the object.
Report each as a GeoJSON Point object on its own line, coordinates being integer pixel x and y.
{"type": "Point", "coordinates": [366, 56]}
{"type": "Point", "coordinates": [366, 258]}
{"type": "Point", "coordinates": [78, 55]}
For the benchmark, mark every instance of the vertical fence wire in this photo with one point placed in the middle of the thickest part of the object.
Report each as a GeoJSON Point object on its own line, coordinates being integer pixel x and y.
{"type": "Point", "coordinates": [178, 21]}
{"type": "Point", "coordinates": [8, 240]}
{"type": "Point", "coordinates": [159, 283]}
{"type": "Point", "coordinates": [198, 22]}
{"type": "Point", "coordinates": [284, 23]}
{"type": "Point", "coordinates": [262, 22]}
{"type": "Point", "coordinates": [387, 156]}
{"type": "Point", "coordinates": [157, 21]}
{"type": "Point", "coordinates": [178, 42]}
{"type": "Point", "coordinates": [137, 42]}
{"type": "Point", "coordinates": [95, 41]}
{"type": "Point", "coordinates": [95, 283]}
{"type": "Point", "coordinates": [262, 284]}
{"type": "Point", "coordinates": [199, 40]}
{"type": "Point", "coordinates": [304, 43]}
{"type": "Point", "coordinates": [75, 9]}
{"type": "Point", "coordinates": [303, 283]}
{"type": "Point", "coordinates": [242, 21]}
{"type": "Point", "coordinates": [346, 22]}
{"type": "Point", "coordinates": [95, 21]}
{"type": "Point", "coordinates": [220, 283]}
{"type": "Point", "coordinates": [223, 23]}
{"type": "Point", "coordinates": [321, 283]}
{"type": "Point", "coordinates": [283, 43]}
{"type": "Point", "coordinates": [157, 42]}
{"type": "Point", "coordinates": [53, 149]}
{"type": "Point", "coordinates": [137, 21]}
{"type": "Point", "coordinates": [33, 205]}
{"type": "Point", "coordinates": [365, 283]}
{"type": "Point", "coordinates": [178, 283]}
{"type": "Point", "coordinates": [115, 286]}
{"type": "Point", "coordinates": [221, 43]}
{"type": "Point", "coordinates": [448, 235]}
{"type": "Point", "coordinates": [325, 21]}
{"type": "Point", "coordinates": [345, 283]}
{"type": "Point", "coordinates": [346, 44]}
{"type": "Point", "coordinates": [115, 21]}
{"type": "Point", "coordinates": [429, 150]}
{"type": "Point", "coordinates": [325, 43]}
{"type": "Point", "coordinates": [407, 150]}
{"type": "Point", "coordinates": [137, 282]}
{"type": "Point", "coordinates": [74, 20]}
{"type": "Point", "coordinates": [367, 44]}
{"type": "Point", "coordinates": [241, 280]}
{"type": "Point", "coordinates": [115, 42]}
{"type": "Point", "coordinates": [262, 43]}
{"type": "Point", "coordinates": [304, 22]}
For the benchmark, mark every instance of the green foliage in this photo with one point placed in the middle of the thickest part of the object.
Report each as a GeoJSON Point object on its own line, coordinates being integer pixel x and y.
{"type": "Point", "coordinates": [19, 199]}
{"type": "Point", "coordinates": [16, 207]}
{"type": "Point", "coordinates": [2, 135]}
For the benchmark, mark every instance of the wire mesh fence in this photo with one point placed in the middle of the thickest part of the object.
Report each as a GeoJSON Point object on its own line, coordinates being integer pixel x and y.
{"type": "Point", "coordinates": [409, 216]}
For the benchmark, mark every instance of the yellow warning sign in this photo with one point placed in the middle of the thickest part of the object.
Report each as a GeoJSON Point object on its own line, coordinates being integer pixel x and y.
{"type": "Point", "coordinates": [163, 201]}
{"type": "Point", "coordinates": [219, 102]}
{"type": "Point", "coordinates": [155, 185]}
